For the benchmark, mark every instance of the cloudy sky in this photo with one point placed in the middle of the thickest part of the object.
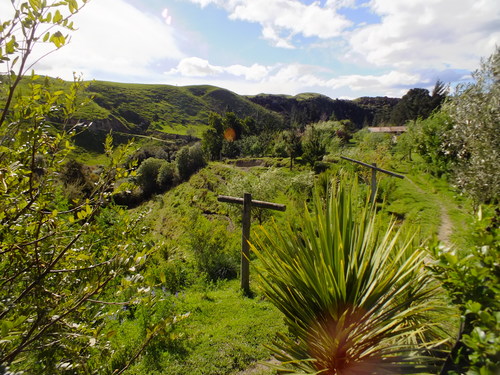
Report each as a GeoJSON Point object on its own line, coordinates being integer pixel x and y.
{"type": "Point", "coordinates": [340, 48]}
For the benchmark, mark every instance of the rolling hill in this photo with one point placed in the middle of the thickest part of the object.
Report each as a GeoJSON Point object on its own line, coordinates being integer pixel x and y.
{"type": "Point", "coordinates": [180, 114]}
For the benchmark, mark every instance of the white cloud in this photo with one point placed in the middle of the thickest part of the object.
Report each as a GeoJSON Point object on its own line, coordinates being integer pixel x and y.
{"type": "Point", "coordinates": [283, 19]}
{"type": "Point", "coordinates": [198, 67]}
{"type": "Point", "coordinates": [113, 38]}
{"type": "Point", "coordinates": [435, 34]}
{"type": "Point", "coordinates": [392, 83]}
{"type": "Point", "coordinates": [290, 78]}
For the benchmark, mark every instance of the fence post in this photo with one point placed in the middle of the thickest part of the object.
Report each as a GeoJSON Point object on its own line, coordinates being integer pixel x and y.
{"type": "Point", "coordinates": [374, 182]}
{"type": "Point", "coordinates": [245, 247]}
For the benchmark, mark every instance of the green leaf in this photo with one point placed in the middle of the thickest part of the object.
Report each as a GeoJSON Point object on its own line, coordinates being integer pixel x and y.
{"type": "Point", "coordinates": [58, 39]}
{"type": "Point", "coordinates": [35, 4]}
{"type": "Point", "coordinates": [57, 17]}
{"type": "Point", "coordinates": [163, 278]}
{"type": "Point", "coordinates": [72, 6]}
{"type": "Point", "coordinates": [10, 46]}
{"type": "Point", "coordinates": [472, 307]}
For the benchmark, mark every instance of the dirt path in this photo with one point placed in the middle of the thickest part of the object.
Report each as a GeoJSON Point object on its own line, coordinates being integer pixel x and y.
{"type": "Point", "coordinates": [259, 368]}
{"type": "Point", "coordinates": [445, 228]}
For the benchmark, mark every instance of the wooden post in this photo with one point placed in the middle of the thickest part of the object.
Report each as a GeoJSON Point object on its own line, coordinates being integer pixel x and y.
{"type": "Point", "coordinates": [245, 247]}
{"type": "Point", "coordinates": [247, 203]}
{"type": "Point", "coordinates": [374, 182]}
{"type": "Point", "coordinates": [374, 169]}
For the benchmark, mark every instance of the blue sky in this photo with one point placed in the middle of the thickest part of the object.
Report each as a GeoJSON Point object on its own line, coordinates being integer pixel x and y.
{"type": "Point", "coordinates": [339, 48]}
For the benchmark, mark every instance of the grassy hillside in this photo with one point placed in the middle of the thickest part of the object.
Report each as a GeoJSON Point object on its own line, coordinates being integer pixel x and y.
{"type": "Point", "coordinates": [156, 109]}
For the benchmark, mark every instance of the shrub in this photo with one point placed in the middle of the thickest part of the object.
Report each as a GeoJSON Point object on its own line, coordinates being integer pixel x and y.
{"type": "Point", "coordinates": [147, 175]}
{"type": "Point", "coordinates": [166, 176]}
{"type": "Point", "coordinates": [215, 251]}
{"type": "Point", "coordinates": [189, 160]}
{"type": "Point", "coordinates": [472, 280]}
{"type": "Point", "coordinates": [313, 145]}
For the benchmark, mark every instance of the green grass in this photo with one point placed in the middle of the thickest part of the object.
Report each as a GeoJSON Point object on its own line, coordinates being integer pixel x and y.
{"type": "Point", "coordinates": [216, 338]}
{"type": "Point", "coordinates": [225, 333]}
{"type": "Point", "coordinates": [170, 109]}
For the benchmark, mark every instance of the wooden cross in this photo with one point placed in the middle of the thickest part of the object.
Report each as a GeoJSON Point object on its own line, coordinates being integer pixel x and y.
{"type": "Point", "coordinates": [248, 203]}
{"type": "Point", "coordinates": [374, 168]}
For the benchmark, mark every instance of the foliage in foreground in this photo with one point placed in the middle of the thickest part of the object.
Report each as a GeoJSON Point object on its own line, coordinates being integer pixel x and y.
{"type": "Point", "coordinates": [356, 299]}
{"type": "Point", "coordinates": [68, 264]}
{"type": "Point", "coordinates": [473, 282]}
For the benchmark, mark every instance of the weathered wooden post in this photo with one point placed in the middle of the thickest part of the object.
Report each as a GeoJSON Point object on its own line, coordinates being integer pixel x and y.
{"type": "Point", "coordinates": [245, 246]}
{"type": "Point", "coordinates": [374, 169]}
{"type": "Point", "coordinates": [374, 182]}
{"type": "Point", "coordinates": [247, 203]}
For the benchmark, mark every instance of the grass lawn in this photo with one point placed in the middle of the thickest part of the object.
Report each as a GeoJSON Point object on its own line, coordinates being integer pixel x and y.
{"type": "Point", "coordinates": [224, 334]}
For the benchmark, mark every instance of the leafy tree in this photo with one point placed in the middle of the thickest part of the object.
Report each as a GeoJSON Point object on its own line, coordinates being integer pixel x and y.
{"type": "Point", "coordinates": [312, 145]}
{"type": "Point", "coordinates": [62, 263]}
{"type": "Point", "coordinates": [212, 144]}
{"type": "Point", "coordinates": [293, 146]}
{"type": "Point", "coordinates": [147, 175]}
{"type": "Point", "coordinates": [197, 159]}
{"type": "Point", "coordinates": [212, 138]}
{"type": "Point", "coordinates": [166, 176]}
{"type": "Point", "coordinates": [418, 103]}
{"type": "Point", "coordinates": [251, 146]}
{"type": "Point", "coordinates": [357, 299]}
{"type": "Point", "coordinates": [183, 163]}
{"type": "Point", "coordinates": [230, 149]}
{"type": "Point", "coordinates": [232, 122]}
{"type": "Point", "coordinates": [189, 160]}
{"type": "Point", "coordinates": [223, 132]}
{"type": "Point", "coordinates": [474, 140]}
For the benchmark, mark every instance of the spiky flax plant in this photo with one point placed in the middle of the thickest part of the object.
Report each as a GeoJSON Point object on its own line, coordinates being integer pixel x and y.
{"type": "Point", "coordinates": [355, 295]}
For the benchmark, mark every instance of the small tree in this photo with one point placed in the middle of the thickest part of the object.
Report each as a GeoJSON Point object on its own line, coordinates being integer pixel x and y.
{"type": "Point", "coordinates": [212, 143]}
{"type": "Point", "coordinates": [293, 146]}
{"type": "Point", "coordinates": [475, 136]}
{"type": "Point", "coordinates": [312, 145]}
{"type": "Point", "coordinates": [147, 175]}
{"type": "Point", "coordinates": [189, 160]}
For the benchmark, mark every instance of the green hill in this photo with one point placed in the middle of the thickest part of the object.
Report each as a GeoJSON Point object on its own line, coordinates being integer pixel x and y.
{"type": "Point", "coordinates": [148, 109]}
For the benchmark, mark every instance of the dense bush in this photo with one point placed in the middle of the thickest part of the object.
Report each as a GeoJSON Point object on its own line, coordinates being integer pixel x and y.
{"type": "Point", "coordinates": [313, 145]}
{"type": "Point", "coordinates": [189, 160]}
{"type": "Point", "coordinates": [166, 176]}
{"type": "Point", "coordinates": [429, 137]}
{"type": "Point", "coordinates": [216, 251]}
{"type": "Point", "coordinates": [147, 175]}
{"type": "Point", "coordinates": [472, 278]}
